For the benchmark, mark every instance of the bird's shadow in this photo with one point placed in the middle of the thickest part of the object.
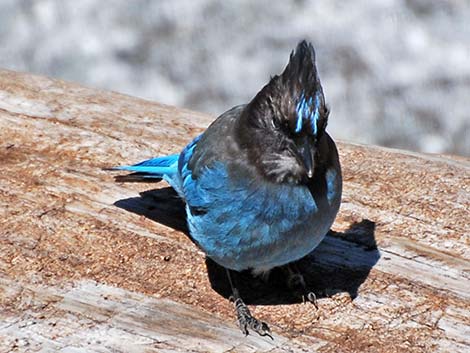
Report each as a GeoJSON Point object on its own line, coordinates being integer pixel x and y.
{"type": "Point", "coordinates": [341, 263]}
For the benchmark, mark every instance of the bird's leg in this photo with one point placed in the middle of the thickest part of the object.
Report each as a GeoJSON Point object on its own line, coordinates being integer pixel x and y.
{"type": "Point", "coordinates": [296, 282]}
{"type": "Point", "coordinates": [245, 320]}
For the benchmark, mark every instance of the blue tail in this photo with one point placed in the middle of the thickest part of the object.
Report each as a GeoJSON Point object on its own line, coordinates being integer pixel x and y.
{"type": "Point", "coordinates": [156, 168]}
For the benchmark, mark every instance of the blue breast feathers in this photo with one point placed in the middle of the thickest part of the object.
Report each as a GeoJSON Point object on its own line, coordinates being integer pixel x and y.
{"type": "Point", "coordinates": [332, 189]}
{"type": "Point", "coordinates": [247, 224]}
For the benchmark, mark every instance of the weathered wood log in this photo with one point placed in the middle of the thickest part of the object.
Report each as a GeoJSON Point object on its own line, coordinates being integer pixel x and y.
{"type": "Point", "coordinates": [88, 264]}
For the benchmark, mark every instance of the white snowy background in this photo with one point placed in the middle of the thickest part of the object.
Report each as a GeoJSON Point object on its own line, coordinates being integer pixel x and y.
{"type": "Point", "coordinates": [395, 73]}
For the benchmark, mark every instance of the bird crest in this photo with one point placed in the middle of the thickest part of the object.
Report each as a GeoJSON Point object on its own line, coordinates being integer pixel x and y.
{"type": "Point", "coordinates": [296, 95]}
{"type": "Point", "coordinates": [302, 86]}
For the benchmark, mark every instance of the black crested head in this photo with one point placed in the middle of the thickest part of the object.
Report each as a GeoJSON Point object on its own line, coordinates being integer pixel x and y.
{"type": "Point", "coordinates": [284, 124]}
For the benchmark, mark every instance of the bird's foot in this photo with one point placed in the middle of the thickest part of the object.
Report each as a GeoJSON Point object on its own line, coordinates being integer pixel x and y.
{"type": "Point", "coordinates": [247, 322]}
{"type": "Point", "coordinates": [311, 298]}
{"type": "Point", "coordinates": [296, 282]}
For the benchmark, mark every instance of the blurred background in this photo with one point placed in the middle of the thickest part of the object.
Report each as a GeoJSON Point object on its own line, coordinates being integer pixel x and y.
{"type": "Point", "coordinates": [395, 73]}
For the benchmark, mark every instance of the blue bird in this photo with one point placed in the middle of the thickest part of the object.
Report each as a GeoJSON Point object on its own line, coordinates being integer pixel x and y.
{"type": "Point", "coordinates": [262, 185]}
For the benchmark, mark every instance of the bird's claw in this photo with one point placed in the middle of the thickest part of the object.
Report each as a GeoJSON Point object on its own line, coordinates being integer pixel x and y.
{"type": "Point", "coordinates": [312, 298]}
{"type": "Point", "coordinates": [247, 322]}
{"type": "Point", "coordinates": [296, 282]}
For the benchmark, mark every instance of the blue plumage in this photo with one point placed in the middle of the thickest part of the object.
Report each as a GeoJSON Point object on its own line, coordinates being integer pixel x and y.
{"type": "Point", "coordinates": [308, 109]}
{"type": "Point", "coordinates": [160, 167]}
{"type": "Point", "coordinates": [262, 185]}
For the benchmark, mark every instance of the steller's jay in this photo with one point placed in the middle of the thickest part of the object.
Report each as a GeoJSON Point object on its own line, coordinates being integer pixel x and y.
{"type": "Point", "coordinates": [262, 185]}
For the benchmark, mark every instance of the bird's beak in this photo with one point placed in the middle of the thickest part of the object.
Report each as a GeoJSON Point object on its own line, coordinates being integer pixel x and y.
{"type": "Point", "coordinates": [307, 156]}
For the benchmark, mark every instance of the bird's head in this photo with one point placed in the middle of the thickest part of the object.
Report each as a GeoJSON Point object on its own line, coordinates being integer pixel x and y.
{"type": "Point", "coordinates": [284, 125]}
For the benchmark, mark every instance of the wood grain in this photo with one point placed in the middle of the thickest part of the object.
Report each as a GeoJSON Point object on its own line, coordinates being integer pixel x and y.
{"type": "Point", "coordinates": [90, 264]}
